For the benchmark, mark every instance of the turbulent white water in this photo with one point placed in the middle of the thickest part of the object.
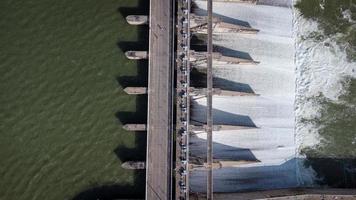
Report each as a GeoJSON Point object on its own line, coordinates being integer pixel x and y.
{"type": "Point", "coordinates": [270, 147]}
{"type": "Point", "coordinates": [322, 69]}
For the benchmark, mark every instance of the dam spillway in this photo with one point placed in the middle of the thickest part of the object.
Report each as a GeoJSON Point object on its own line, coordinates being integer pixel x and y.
{"type": "Point", "coordinates": [272, 143]}
{"type": "Point", "coordinates": [253, 103]}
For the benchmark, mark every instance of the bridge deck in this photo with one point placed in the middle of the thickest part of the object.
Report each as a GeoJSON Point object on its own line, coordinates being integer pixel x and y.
{"type": "Point", "coordinates": [159, 130]}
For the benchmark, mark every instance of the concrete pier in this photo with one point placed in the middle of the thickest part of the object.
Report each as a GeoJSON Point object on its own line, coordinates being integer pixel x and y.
{"type": "Point", "coordinates": [252, 111]}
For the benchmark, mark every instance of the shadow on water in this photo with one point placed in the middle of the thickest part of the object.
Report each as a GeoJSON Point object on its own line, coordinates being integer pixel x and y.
{"type": "Point", "coordinates": [141, 80]}
{"type": "Point", "coordinates": [138, 153]}
{"type": "Point", "coordinates": [142, 8]}
{"type": "Point", "coordinates": [128, 45]}
{"type": "Point", "coordinates": [109, 192]}
{"type": "Point", "coordinates": [334, 172]}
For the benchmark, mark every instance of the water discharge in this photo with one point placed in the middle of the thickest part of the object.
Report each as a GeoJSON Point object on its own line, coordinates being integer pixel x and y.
{"type": "Point", "coordinates": [325, 99]}
{"type": "Point", "coordinates": [267, 147]}
{"type": "Point", "coordinates": [304, 115]}
{"type": "Point", "coordinates": [61, 98]}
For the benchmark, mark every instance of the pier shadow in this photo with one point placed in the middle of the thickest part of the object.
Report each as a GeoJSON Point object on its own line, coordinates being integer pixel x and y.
{"type": "Point", "coordinates": [313, 171]}
{"type": "Point", "coordinates": [198, 79]}
{"type": "Point", "coordinates": [202, 12]}
{"type": "Point", "coordinates": [140, 80]}
{"type": "Point", "coordinates": [232, 53]}
{"type": "Point", "coordinates": [124, 153]}
{"type": "Point", "coordinates": [333, 172]}
{"type": "Point", "coordinates": [198, 43]}
{"type": "Point", "coordinates": [142, 8]}
{"type": "Point", "coordinates": [136, 190]}
{"type": "Point", "coordinates": [193, 6]}
{"type": "Point", "coordinates": [252, 178]}
{"type": "Point", "coordinates": [108, 192]}
{"type": "Point", "coordinates": [142, 41]}
{"type": "Point", "coordinates": [133, 46]}
{"type": "Point", "coordinates": [255, 178]}
{"type": "Point", "coordinates": [138, 152]}
{"type": "Point", "coordinates": [222, 152]}
{"type": "Point", "coordinates": [198, 113]}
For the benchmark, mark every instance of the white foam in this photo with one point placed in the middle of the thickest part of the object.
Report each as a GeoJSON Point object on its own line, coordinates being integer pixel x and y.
{"type": "Point", "coordinates": [272, 143]}
{"type": "Point", "coordinates": [347, 14]}
{"type": "Point", "coordinates": [322, 68]}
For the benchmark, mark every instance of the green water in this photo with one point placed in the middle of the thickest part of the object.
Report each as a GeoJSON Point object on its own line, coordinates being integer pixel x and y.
{"type": "Point", "coordinates": [334, 158]}
{"type": "Point", "coordinates": [332, 20]}
{"type": "Point", "coordinates": [61, 100]}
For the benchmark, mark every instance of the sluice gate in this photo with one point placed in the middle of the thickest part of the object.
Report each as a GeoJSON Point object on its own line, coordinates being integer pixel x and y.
{"type": "Point", "coordinates": [170, 56]}
{"type": "Point", "coordinates": [185, 24]}
{"type": "Point", "coordinates": [182, 98]}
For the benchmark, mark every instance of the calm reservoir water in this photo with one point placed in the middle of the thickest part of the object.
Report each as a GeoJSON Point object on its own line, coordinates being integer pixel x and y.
{"type": "Point", "coordinates": [61, 100]}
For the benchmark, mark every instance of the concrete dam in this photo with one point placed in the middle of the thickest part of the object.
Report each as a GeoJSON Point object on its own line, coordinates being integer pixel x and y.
{"type": "Point", "coordinates": [220, 116]}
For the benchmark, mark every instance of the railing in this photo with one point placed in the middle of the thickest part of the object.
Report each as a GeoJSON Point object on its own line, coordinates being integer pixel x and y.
{"type": "Point", "coordinates": [183, 100]}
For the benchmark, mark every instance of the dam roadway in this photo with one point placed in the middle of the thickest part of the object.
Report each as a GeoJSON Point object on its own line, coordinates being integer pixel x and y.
{"type": "Point", "coordinates": [160, 101]}
{"type": "Point", "coordinates": [170, 64]}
